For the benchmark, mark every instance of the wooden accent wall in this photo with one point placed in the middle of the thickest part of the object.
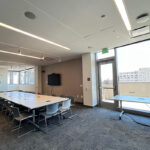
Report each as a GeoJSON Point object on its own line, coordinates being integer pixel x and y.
{"type": "Point", "coordinates": [71, 79]}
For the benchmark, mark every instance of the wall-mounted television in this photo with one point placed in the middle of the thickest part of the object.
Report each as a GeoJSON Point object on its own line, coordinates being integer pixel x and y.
{"type": "Point", "coordinates": [54, 79]}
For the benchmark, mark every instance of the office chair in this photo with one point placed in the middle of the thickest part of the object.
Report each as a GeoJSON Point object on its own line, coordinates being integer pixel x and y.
{"type": "Point", "coordinates": [19, 117]}
{"type": "Point", "coordinates": [1, 104]}
{"type": "Point", "coordinates": [72, 105]}
{"type": "Point", "coordinates": [51, 110]}
{"type": "Point", "coordinates": [8, 106]}
{"type": "Point", "coordinates": [65, 108]}
{"type": "Point", "coordinates": [5, 104]}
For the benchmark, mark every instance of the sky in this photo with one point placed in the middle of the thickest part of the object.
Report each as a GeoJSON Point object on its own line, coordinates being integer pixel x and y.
{"type": "Point", "coordinates": [133, 57]}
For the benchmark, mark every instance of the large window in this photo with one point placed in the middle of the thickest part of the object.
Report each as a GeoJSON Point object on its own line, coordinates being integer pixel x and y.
{"type": "Point", "coordinates": [31, 76]}
{"type": "Point", "coordinates": [134, 72]}
{"type": "Point", "coordinates": [28, 76]}
{"type": "Point", "coordinates": [13, 77]}
{"type": "Point", "coordinates": [21, 77]}
{"type": "Point", "coordinates": [8, 78]}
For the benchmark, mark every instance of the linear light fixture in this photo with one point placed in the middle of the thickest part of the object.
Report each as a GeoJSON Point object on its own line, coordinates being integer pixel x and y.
{"type": "Point", "coordinates": [32, 35]}
{"type": "Point", "coordinates": [19, 54]}
{"type": "Point", "coordinates": [122, 10]}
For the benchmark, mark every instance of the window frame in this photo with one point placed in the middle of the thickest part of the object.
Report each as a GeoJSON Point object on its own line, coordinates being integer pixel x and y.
{"type": "Point", "coordinates": [11, 80]}
{"type": "Point", "coordinates": [27, 79]}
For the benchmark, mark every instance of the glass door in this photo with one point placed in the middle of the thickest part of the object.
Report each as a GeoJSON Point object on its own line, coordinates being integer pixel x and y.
{"type": "Point", "coordinates": [107, 84]}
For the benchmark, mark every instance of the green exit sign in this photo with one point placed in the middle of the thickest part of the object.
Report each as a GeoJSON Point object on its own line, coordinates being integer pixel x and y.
{"type": "Point", "coordinates": [104, 50]}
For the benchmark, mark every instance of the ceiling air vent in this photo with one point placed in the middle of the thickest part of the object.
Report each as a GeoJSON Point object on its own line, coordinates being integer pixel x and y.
{"type": "Point", "coordinates": [140, 31]}
{"type": "Point", "coordinates": [49, 59]}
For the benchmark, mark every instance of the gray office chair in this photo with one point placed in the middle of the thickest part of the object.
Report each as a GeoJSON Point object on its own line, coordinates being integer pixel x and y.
{"type": "Point", "coordinates": [51, 110]}
{"type": "Point", "coordinates": [8, 106]}
{"type": "Point", "coordinates": [72, 105]}
{"type": "Point", "coordinates": [65, 108]}
{"type": "Point", "coordinates": [72, 100]}
{"type": "Point", "coordinates": [20, 117]}
{"type": "Point", "coordinates": [5, 105]}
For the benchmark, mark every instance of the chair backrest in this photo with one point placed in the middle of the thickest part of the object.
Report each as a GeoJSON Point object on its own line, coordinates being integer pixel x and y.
{"type": "Point", "coordinates": [72, 99]}
{"type": "Point", "coordinates": [1, 100]}
{"type": "Point", "coordinates": [5, 103]}
{"type": "Point", "coordinates": [66, 104]}
{"type": "Point", "coordinates": [52, 109]}
{"type": "Point", "coordinates": [15, 111]}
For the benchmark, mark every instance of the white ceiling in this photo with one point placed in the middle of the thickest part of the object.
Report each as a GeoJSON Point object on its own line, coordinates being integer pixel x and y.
{"type": "Point", "coordinates": [76, 24]}
{"type": "Point", "coordinates": [14, 66]}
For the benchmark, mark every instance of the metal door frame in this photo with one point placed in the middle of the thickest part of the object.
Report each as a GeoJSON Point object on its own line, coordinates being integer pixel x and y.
{"type": "Point", "coordinates": [115, 80]}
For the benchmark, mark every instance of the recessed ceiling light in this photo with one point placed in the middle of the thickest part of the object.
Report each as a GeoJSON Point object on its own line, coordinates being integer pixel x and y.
{"type": "Point", "coordinates": [142, 18]}
{"type": "Point", "coordinates": [122, 10]}
{"type": "Point", "coordinates": [30, 15]}
{"type": "Point", "coordinates": [32, 35]}
{"type": "Point", "coordinates": [103, 16]}
{"type": "Point", "coordinates": [20, 54]}
{"type": "Point", "coordinates": [90, 47]}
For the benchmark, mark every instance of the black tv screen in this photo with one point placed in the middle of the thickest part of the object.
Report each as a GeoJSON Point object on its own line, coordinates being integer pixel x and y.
{"type": "Point", "coordinates": [54, 79]}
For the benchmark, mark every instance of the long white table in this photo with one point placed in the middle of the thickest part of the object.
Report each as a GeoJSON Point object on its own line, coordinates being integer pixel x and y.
{"type": "Point", "coordinates": [135, 99]}
{"type": "Point", "coordinates": [31, 101]}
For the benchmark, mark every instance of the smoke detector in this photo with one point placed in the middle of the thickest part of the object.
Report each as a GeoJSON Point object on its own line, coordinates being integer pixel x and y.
{"type": "Point", "coordinates": [142, 18]}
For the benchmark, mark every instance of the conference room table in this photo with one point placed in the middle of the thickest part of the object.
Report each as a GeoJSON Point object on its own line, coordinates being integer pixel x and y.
{"type": "Point", "coordinates": [30, 100]}
{"type": "Point", "coordinates": [120, 99]}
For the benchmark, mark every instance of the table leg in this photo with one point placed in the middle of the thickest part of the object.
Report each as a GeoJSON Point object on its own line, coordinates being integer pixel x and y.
{"type": "Point", "coordinates": [122, 112]}
{"type": "Point", "coordinates": [33, 112]}
{"type": "Point", "coordinates": [121, 105]}
{"type": "Point", "coordinates": [33, 122]}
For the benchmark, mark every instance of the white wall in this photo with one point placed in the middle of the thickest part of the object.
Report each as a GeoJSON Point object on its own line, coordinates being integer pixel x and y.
{"type": "Point", "coordinates": [12, 87]}
{"type": "Point", "coordinates": [22, 87]}
{"type": "Point", "coordinates": [89, 72]}
{"type": "Point", "coordinates": [3, 79]}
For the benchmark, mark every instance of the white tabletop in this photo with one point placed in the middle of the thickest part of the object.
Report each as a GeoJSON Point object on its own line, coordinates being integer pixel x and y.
{"type": "Point", "coordinates": [29, 100]}
{"type": "Point", "coordinates": [131, 99]}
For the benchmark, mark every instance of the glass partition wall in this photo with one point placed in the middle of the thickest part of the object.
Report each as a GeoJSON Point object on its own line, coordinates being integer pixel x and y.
{"type": "Point", "coordinates": [134, 72]}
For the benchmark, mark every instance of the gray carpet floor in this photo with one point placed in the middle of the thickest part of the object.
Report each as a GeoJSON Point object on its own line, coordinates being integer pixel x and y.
{"type": "Point", "coordinates": [93, 129]}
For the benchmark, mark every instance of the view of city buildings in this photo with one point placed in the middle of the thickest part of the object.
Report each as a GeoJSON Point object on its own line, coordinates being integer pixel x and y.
{"type": "Point", "coordinates": [141, 75]}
